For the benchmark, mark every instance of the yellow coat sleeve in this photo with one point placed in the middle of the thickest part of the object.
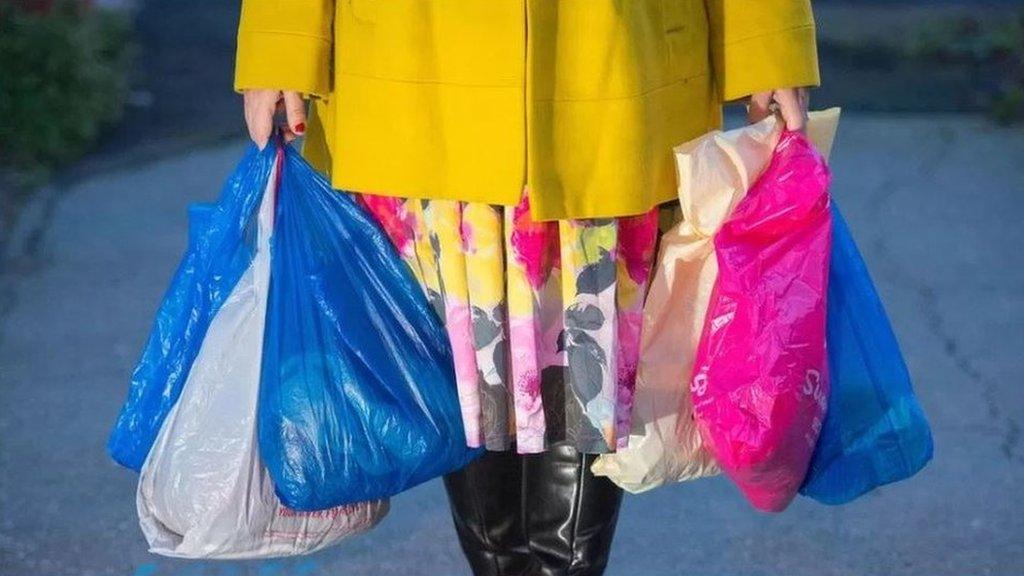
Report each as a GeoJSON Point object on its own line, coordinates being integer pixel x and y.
{"type": "Point", "coordinates": [759, 45]}
{"type": "Point", "coordinates": [285, 44]}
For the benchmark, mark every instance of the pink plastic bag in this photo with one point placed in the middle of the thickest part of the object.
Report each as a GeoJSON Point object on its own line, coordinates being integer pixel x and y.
{"type": "Point", "coordinates": [760, 385]}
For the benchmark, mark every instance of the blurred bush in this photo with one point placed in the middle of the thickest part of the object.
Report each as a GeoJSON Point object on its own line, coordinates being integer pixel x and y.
{"type": "Point", "coordinates": [994, 49]}
{"type": "Point", "coordinates": [63, 77]}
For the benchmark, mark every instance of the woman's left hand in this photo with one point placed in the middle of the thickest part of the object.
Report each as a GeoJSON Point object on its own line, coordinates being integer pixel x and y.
{"type": "Point", "coordinates": [791, 103]}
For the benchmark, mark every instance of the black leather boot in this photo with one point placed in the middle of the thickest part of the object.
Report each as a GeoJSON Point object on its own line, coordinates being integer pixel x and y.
{"type": "Point", "coordinates": [486, 500]}
{"type": "Point", "coordinates": [570, 513]}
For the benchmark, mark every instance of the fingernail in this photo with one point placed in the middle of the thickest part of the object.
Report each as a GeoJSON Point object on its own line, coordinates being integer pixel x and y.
{"type": "Point", "coordinates": [300, 128]}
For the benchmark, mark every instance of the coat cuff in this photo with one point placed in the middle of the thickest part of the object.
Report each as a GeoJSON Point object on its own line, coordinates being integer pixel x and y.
{"type": "Point", "coordinates": [283, 61]}
{"type": "Point", "coordinates": [783, 59]}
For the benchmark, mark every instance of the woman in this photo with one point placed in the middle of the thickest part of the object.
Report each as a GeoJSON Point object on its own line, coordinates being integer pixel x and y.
{"type": "Point", "coordinates": [516, 152]}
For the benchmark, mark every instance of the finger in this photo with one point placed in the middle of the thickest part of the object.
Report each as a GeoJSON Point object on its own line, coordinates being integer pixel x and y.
{"type": "Point", "coordinates": [247, 109]}
{"type": "Point", "coordinates": [760, 107]}
{"type": "Point", "coordinates": [260, 127]}
{"type": "Point", "coordinates": [792, 111]}
{"type": "Point", "coordinates": [295, 110]}
{"type": "Point", "coordinates": [259, 116]}
{"type": "Point", "coordinates": [279, 121]}
{"type": "Point", "coordinates": [286, 132]}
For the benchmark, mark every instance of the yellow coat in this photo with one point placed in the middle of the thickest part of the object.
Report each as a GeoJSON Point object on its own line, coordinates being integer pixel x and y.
{"type": "Point", "coordinates": [579, 100]}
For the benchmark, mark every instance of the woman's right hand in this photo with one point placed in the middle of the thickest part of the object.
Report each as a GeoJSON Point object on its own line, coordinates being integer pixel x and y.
{"type": "Point", "coordinates": [261, 106]}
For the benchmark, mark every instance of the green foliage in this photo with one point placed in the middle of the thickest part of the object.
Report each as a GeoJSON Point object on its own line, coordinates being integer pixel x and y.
{"type": "Point", "coordinates": [968, 39]}
{"type": "Point", "coordinates": [62, 79]}
{"type": "Point", "coordinates": [1008, 108]}
{"type": "Point", "coordinates": [995, 46]}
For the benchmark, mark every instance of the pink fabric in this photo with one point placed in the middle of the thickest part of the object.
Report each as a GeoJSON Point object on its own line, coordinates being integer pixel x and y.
{"type": "Point", "coordinates": [534, 244]}
{"type": "Point", "coordinates": [526, 371]}
{"type": "Point", "coordinates": [760, 385]}
{"type": "Point", "coordinates": [390, 213]}
{"type": "Point", "coordinates": [637, 238]}
{"type": "Point", "coordinates": [536, 312]}
{"type": "Point", "coordinates": [460, 332]}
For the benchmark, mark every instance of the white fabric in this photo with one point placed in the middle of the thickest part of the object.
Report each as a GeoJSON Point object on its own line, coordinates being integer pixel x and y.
{"type": "Point", "coordinates": [203, 491]}
{"type": "Point", "coordinates": [715, 171]}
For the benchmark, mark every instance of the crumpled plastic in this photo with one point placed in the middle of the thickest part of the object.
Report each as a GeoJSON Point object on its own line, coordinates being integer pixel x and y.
{"type": "Point", "coordinates": [875, 432]}
{"type": "Point", "coordinates": [203, 491]}
{"type": "Point", "coordinates": [760, 379]}
{"type": "Point", "coordinates": [358, 398]}
{"type": "Point", "coordinates": [326, 386]}
{"type": "Point", "coordinates": [715, 171]}
{"type": "Point", "coordinates": [222, 244]}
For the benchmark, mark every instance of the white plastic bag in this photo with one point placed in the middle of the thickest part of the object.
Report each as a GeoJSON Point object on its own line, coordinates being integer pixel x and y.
{"type": "Point", "coordinates": [715, 171]}
{"type": "Point", "coordinates": [203, 491]}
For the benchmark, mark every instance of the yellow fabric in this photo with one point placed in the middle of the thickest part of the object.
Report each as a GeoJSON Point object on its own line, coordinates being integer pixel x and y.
{"type": "Point", "coordinates": [579, 100]}
{"type": "Point", "coordinates": [285, 45]}
{"type": "Point", "coordinates": [759, 45]}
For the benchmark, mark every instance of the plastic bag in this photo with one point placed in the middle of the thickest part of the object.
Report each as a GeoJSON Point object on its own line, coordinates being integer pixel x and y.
{"type": "Point", "coordinates": [875, 432]}
{"type": "Point", "coordinates": [203, 491]}
{"type": "Point", "coordinates": [221, 249]}
{"type": "Point", "coordinates": [714, 173]}
{"type": "Point", "coordinates": [358, 398]}
{"type": "Point", "coordinates": [760, 382]}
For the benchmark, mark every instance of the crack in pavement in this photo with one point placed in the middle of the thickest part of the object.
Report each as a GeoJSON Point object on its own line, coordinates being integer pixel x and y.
{"type": "Point", "coordinates": [930, 308]}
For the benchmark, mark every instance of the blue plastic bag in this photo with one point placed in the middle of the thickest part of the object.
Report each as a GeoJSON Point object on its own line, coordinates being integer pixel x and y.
{"type": "Point", "coordinates": [875, 432]}
{"type": "Point", "coordinates": [357, 394]}
{"type": "Point", "coordinates": [222, 240]}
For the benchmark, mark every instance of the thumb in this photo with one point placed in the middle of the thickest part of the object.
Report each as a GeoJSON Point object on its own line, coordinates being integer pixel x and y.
{"type": "Point", "coordinates": [790, 105]}
{"type": "Point", "coordinates": [759, 107]}
{"type": "Point", "coordinates": [295, 112]}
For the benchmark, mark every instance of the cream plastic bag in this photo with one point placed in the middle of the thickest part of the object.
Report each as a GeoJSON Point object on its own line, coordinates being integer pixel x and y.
{"type": "Point", "coordinates": [203, 490]}
{"type": "Point", "coordinates": [715, 171]}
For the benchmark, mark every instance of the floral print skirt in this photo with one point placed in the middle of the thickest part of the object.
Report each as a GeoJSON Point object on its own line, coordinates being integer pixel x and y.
{"type": "Point", "coordinates": [543, 317]}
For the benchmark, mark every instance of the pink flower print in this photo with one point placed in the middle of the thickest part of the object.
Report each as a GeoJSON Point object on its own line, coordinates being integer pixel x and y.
{"type": "Point", "coordinates": [466, 232]}
{"type": "Point", "coordinates": [529, 408]}
{"type": "Point", "coordinates": [629, 326]}
{"type": "Point", "coordinates": [534, 244]}
{"type": "Point", "coordinates": [637, 237]}
{"type": "Point", "coordinates": [625, 390]}
{"type": "Point", "coordinates": [530, 425]}
{"type": "Point", "coordinates": [528, 392]}
{"type": "Point", "coordinates": [391, 214]}
{"type": "Point", "coordinates": [460, 333]}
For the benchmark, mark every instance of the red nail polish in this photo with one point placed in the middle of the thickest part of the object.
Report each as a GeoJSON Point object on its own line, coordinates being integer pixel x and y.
{"type": "Point", "coordinates": [300, 128]}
